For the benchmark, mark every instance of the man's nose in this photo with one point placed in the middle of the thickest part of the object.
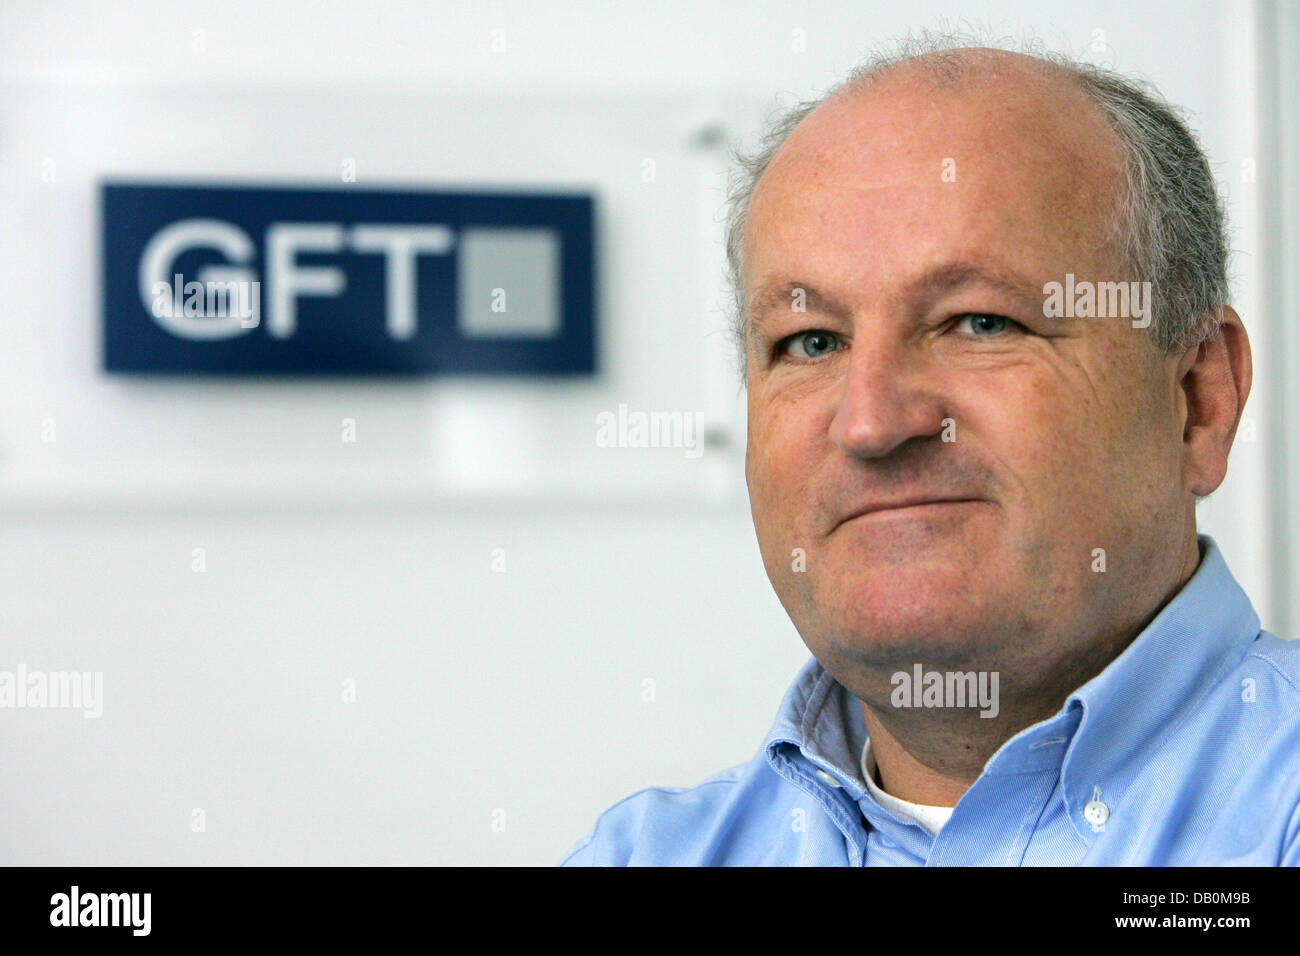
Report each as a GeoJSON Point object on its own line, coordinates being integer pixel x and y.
{"type": "Point", "coordinates": [890, 395]}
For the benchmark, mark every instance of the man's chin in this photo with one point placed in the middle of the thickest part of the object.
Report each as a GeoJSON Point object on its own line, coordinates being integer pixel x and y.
{"type": "Point", "coordinates": [918, 627]}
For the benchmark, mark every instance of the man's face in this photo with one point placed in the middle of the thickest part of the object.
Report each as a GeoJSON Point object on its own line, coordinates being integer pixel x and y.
{"type": "Point", "coordinates": [921, 226]}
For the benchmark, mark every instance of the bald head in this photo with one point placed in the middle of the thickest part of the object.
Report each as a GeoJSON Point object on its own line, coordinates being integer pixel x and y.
{"type": "Point", "coordinates": [1126, 169]}
{"type": "Point", "coordinates": [980, 146]}
{"type": "Point", "coordinates": [949, 68]}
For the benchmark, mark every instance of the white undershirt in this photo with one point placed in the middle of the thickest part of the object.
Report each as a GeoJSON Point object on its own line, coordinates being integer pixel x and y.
{"type": "Point", "coordinates": [931, 819]}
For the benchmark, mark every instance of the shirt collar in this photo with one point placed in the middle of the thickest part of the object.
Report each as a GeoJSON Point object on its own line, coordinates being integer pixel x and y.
{"type": "Point", "coordinates": [824, 721]}
{"type": "Point", "coordinates": [1103, 725]}
{"type": "Point", "coordinates": [1128, 709]}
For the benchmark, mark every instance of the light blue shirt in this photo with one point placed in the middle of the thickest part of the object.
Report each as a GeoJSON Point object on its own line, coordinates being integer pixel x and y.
{"type": "Point", "coordinates": [1187, 746]}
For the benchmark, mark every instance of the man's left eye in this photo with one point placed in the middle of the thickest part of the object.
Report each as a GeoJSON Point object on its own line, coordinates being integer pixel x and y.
{"type": "Point", "coordinates": [984, 324]}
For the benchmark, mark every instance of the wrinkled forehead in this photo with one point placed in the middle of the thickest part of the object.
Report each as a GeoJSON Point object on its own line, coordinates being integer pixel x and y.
{"type": "Point", "coordinates": [1019, 167]}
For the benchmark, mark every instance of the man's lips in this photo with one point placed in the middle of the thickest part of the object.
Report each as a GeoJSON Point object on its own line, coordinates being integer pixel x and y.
{"type": "Point", "coordinates": [899, 504]}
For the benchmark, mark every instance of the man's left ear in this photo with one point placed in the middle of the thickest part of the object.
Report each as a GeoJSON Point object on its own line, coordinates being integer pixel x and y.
{"type": "Point", "coordinates": [1215, 378]}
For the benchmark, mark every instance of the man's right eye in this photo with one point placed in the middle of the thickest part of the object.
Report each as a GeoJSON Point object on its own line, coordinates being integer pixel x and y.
{"type": "Point", "coordinates": [807, 345]}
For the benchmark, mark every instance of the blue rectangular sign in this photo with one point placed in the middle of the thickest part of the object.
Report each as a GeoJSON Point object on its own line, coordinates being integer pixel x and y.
{"type": "Point", "coordinates": [346, 281]}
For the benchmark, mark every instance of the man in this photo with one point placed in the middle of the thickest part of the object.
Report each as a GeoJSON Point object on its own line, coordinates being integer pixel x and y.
{"type": "Point", "coordinates": [990, 370]}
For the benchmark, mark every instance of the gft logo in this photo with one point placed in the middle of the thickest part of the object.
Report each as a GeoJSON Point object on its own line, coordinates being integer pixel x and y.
{"type": "Point", "coordinates": [225, 300]}
{"type": "Point", "coordinates": [242, 280]}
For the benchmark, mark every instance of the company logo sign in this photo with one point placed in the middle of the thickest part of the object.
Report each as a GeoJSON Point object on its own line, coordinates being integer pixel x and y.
{"type": "Point", "coordinates": [242, 280]}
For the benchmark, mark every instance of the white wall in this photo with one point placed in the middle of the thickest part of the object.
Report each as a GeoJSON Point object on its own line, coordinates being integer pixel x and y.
{"type": "Point", "coordinates": [477, 691]}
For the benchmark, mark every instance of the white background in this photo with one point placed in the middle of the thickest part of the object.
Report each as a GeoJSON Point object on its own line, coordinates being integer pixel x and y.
{"type": "Point", "coordinates": [478, 692]}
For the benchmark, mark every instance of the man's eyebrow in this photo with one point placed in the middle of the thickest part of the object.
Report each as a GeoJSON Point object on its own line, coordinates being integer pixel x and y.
{"type": "Point", "coordinates": [773, 295]}
{"type": "Point", "coordinates": [953, 275]}
{"type": "Point", "coordinates": [945, 278]}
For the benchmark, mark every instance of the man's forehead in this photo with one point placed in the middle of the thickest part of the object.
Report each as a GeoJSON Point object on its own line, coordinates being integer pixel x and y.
{"type": "Point", "coordinates": [964, 171]}
{"type": "Point", "coordinates": [897, 135]}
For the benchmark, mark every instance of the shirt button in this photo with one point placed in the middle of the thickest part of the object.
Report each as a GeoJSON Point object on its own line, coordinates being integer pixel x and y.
{"type": "Point", "coordinates": [1096, 813]}
{"type": "Point", "coordinates": [827, 779]}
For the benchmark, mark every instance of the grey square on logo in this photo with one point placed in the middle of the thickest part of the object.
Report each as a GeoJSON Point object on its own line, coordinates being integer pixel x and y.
{"type": "Point", "coordinates": [508, 282]}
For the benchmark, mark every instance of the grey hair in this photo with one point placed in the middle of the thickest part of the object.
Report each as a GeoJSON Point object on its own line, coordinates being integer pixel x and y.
{"type": "Point", "coordinates": [1169, 227]}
